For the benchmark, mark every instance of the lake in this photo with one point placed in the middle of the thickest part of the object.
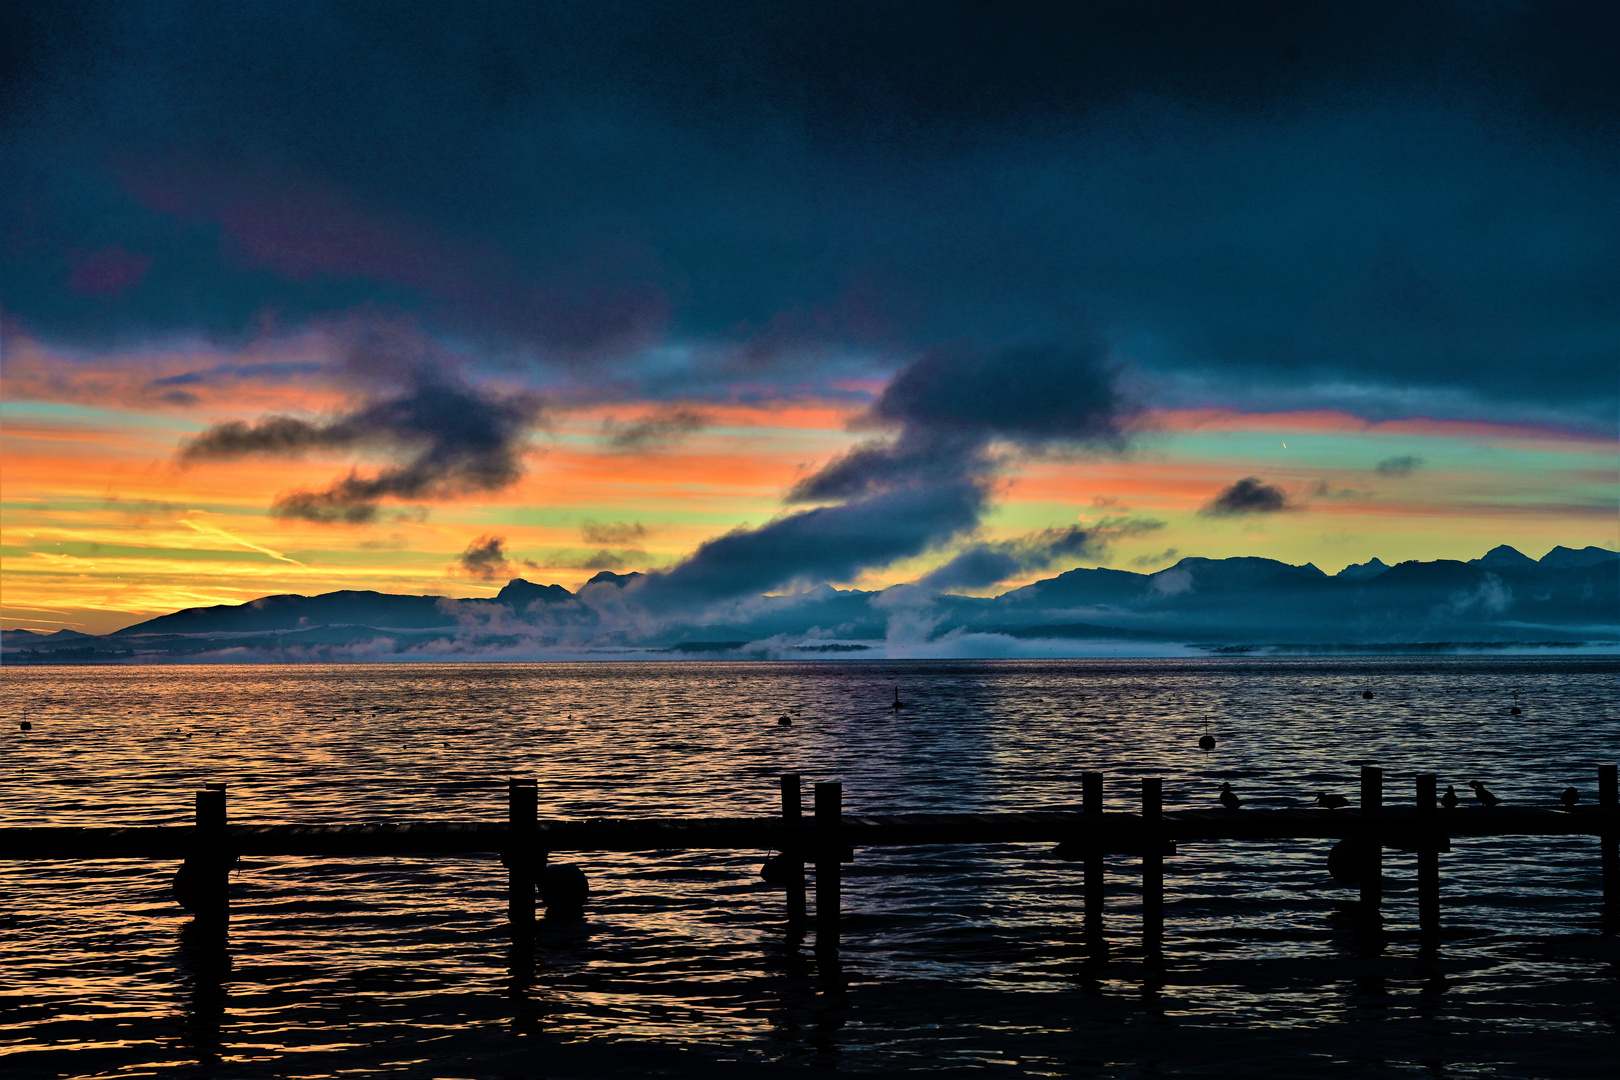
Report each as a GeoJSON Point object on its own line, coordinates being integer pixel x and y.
{"type": "Point", "coordinates": [962, 960]}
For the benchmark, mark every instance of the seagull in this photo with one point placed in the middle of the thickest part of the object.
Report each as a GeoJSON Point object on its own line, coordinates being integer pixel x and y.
{"type": "Point", "coordinates": [1449, 800]}
{"type": "Point", "coordinates": [1229, 798]}
{"type": "Point", "coordinates": [1330, 802]}
{"type": "Point", "coordinates": [1482, 794]}
{"type": "Point", "coordinates": [1569, 797]}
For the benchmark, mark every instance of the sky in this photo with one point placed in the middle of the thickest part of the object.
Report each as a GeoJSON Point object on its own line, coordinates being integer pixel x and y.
{"type": "Point", "coordinates": [419, 297]}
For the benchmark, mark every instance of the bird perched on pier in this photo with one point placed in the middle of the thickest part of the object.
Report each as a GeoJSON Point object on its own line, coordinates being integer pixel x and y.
{"type": "Point", "coordinates": [1483, 795]}
{"type": "Point", "coordinates": [1229, 797]}
{"type": "Point", "coordinates": [1330, 802]}
{"type": "Point", "coordinates": [1569, 797]}
{"type": "Point", "coordinates": [1449, 800]}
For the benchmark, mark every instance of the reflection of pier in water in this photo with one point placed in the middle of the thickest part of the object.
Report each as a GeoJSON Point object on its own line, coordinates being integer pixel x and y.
{"type": "Point", "coordinates": [829, 837]}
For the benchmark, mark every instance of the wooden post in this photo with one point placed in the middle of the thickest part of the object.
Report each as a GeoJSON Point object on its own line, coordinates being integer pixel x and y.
{"type": "Point", "coordinates": [523, 862]}
{"type": "Point", "coordinates": [793, 811]}
{"type": "Point", "coordinates": [1609, 841]}
{"type": "Point", "coordinates": [1152, 865]}
{"type": "Point", "coordinates": [1091, 789]}
{"type": "Point", "coordinates": [1372, 874]}
{"type": "Point", "coordinates": [211, 864]}
{"type": "Point", "coordinates": [1428, 865]}
{"type": "Point", "coordinates": [829, 874]}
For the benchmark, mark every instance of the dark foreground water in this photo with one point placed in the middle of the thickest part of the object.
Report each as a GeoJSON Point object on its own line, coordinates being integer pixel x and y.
{"type": "Point", "coordinates": [966, 960]}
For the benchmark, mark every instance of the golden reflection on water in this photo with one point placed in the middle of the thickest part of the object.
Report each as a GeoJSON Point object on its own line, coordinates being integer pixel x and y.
{"type": "Point", "coordinates": [967, 956]}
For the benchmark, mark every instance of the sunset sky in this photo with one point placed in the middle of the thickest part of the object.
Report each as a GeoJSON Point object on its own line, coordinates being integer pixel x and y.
{"type": "Point", "coordinates": [602, 282]}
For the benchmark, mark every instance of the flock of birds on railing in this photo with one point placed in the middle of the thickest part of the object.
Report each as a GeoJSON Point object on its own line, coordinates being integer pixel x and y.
{"type": "Point", "coordinates": [1449, 799]}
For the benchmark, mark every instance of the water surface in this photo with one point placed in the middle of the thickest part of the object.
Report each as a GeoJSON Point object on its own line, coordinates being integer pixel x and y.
{"type": "Point", "coordinates": [954, 959]}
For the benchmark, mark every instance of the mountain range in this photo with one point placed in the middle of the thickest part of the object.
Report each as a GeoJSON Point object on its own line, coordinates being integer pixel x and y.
{"type": "Point", "coordinates": [1567, 599]}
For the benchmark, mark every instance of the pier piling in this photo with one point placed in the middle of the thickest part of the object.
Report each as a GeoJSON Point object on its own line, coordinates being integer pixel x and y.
{"type": "Point", "coordinates": [1372, 873]}
{"type": "Point", "coordinates": [1428, 865]}
{"type": "Point", "coordinates": [793, 811]}
{"type": "Point", "coordinates": [1152, 865]}
{"type": "Point", "coordinates": [1609, 841]}
{"type": "Point", "coordinates": [523, 861]}
{"type": "Point", "coordinates": [1091, 792]}
{"type": "Point", "coordinates": [210, 865]}
{"type": "Point", "coordinates": [829, 872]}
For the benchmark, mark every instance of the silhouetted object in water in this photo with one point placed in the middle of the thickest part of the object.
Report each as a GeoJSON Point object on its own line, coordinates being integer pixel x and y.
{"type": "Point", "coordinates": [1367, 694]}
{"type": "Point", "coordinates": [1449, 800]}
{"type": "Point", "coordinates": [25, 726]}
{"type": "Point", "coordinates": [779, 869]}
{"type": "Point", "coordinates": [784, 721]}
{"type": "Point", "coordinates": [1229, 797]}
{"type": "Point", "coordinates": [187, 883]}
{"type": "Point", "coordinates": [1330, 802]}
{"type": "Point", "coordinates": [898, 704]}
{"type": "Point", "coordinates": [563, 890]}
{"type": "Point", "coordinates": [1347, 861]}
{"type": "Point", "coordinates": [1482, 794]}
{"type": "Point", "coordinates": [1569, 797]}
{"type": "Point", "coordinates": [1515, 711]}
{"type": "Point", "coordinates": [1206, 743]}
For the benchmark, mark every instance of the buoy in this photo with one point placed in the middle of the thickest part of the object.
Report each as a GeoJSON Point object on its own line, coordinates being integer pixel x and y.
{"type": "Point", "coordinates": [563, 890]}
{"type": "Point", "coordinates": [898, 704]}
{"type": "Point", "coordinates": [1347, 860]}
{"type": "Point", "coordinates": [1515, 711]}
{"type": "Point", "coordinates": [26, 725]}
{"type": "Point", "coordinates": [784, 721]}
{"type": "Point", "coordinates": [1206, 743]}
{"type": "Point", "coordinates": [779, 869]}
{"type": "Point", "coordinates": [1367, 694]}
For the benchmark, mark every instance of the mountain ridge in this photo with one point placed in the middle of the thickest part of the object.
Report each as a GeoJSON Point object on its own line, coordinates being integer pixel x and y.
{"type": "Point", "coordinates": [1505, 594]}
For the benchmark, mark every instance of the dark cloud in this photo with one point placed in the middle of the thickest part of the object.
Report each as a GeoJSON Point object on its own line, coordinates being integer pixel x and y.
{"type": "Point", "coordinates": [455, 439]}
{"type": "Point", "coordinates": [980, 565]}
{"type": "Point", "coordinates": [829, 543]}
{"type": "Point", "coordinates": [1398, 207]}
{"type": "Point", "coordinates": [930, 482]}
{"type": "Point", "coordinates": [1165, 556]}
{"type": "Point", "coordinates": [653, 430]}
{"type": "Point", "coordinates": [486, 558]}
{"type": "Point", "coordinates": [1404, 465]}
{"type": "Point", "coordinates": [1250, 495]}
{"type": "Point", "coordinates": [612, 533]}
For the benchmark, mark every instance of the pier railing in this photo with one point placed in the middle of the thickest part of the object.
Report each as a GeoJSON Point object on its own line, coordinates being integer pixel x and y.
{"type": "Point", "coordinates": [210, 847]}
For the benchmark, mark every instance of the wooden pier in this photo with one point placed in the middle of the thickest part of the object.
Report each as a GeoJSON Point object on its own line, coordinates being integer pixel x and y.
{"type": "Point", "coordinates": [209, 848]}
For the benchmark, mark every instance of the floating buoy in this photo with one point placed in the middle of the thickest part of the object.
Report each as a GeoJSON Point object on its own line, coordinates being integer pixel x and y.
{"type": "Point", "coordinates": [784, 720]}
{"type": "Point", "coordinates": [25, 725]}
{"type": "Point", "coordinates": [779, 869]}
{"type": "Point", "coordinates": [563, 890]}
{"type": "Point", "coordinates": [1206, 741]}
{"type": "Point", "coordinates": [898, 704]}
{"type": "Point", "coordinates": [1367, 694]}
{"type": "Point", "coordinates": [1515, 711]}
{"type": "Point", "coordinates": [1347, 861]}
